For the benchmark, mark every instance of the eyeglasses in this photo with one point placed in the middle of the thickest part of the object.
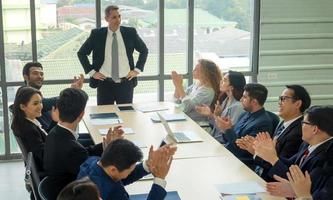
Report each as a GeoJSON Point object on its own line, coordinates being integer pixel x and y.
{"type": "Point", "coordinates": [308, 123]}
{"type": "Point", "coordinates": [284, 98]}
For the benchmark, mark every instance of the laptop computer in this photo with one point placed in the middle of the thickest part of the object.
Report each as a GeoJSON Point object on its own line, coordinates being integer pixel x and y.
{"type": "Point", "coordinates": [179, 137]}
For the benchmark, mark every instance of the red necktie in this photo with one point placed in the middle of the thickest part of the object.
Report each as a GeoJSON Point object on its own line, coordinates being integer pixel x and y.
{"type": "Point", "coordinates": [305, 155]}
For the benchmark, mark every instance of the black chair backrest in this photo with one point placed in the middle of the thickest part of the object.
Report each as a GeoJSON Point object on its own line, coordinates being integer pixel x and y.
{"type": "Point", "coordinates": [50, 187]}
{"type": "Point", "coordinates": [275, 120]}
{"type": "Point", "coordinates": [23, 150]}
{"type": "Point", "coordinates": [31, 175]}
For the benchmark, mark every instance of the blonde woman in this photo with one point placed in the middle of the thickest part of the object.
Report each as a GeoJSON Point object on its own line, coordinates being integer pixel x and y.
{"type": "Point", "coordinates": [204, 90]}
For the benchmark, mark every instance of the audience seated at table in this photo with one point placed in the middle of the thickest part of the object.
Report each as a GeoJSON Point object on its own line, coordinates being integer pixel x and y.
{"type": "Point", "coordinates": [231, 88]}
{"type": "Point", "coordinates": [317, 132]}
{"type": "Point", "coordinates": [118, 167]}
{"type": "Point", "coordinates": [251, 122]}
{"type": "Point", "coordinates": [204, 91]}
{"type": "Point", "coordinates": [63, 154]}
{"type": "Point", "coordinates": [293, 101]}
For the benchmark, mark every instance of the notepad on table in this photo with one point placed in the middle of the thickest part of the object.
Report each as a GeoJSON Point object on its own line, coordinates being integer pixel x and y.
{"type": "Point", "coordinates": [151, 108]}
{"type": "Point", "coordinates": [103, 115]}
{"type": "Point", "coordinates": [169, 117]}
{"type": "Point", "coordinates": [173, 195]}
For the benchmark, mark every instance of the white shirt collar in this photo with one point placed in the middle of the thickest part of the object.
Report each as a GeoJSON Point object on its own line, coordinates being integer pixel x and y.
{"type": "Point", "coordinates": [76, 135]}
{"type": "Point", "coordinates": [287, 123]}
{"type": "Point", "coordinates": [313, 147]}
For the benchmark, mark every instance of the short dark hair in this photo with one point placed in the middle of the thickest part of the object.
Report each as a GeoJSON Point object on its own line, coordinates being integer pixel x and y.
{"type": "Point", "coordinates": [257, 91]}
{"type": "Point", "coordinates": [81, 189]}
{"type": "Point", "coordinates": [27, 66]}
{"type": "Point", "coordinates": [237, 81]}
{"type": "Point", "coordinates": [23, 96]}
{"type": "Point", "coordinates": [321, 116]}
{"type": "Point", "coordinates": [300, 93]}
{"type": "Point", "coordinates": [110, 8]}
{"type": "Point", "coordinates": [122, 154]}
{"type": "Point", "coordinates": [71, 104]}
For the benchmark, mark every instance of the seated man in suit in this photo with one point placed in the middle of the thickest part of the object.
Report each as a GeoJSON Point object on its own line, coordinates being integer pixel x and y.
{"type": "Point", "coordinates": [317, 132]}
{"type": "Point", "coordinates": [63, 154]}
{"type": "Point", "coordinates": [251, 122]}
{"type": "Point", "coordinates": [118, 167]}
{"type": "Point", "coordinates": [293, 101]}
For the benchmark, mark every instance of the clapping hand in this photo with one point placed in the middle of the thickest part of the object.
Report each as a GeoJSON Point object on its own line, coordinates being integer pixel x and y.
{"type": "Point", "coordinates": [264, 147]}
{"type": "Point", "coordinates": [78, 82]}
{"type": "Point", "coordinates": [246, 143]}
{"type": "Point", "coordinates": [204, 110]}
{"type": "Point", "coordinates": [218, 108]}
{"type": "Point", "coordinates": [113, 134]}
{"type": "Point", "coordinates": [177, 79]}
{"type": "Point", "coordinates": [223, 123]}
{"type": "Point", "coordinates": [159, 161]}
{"type": "Point", "coordinates": [281, 188]}
{"type": "Point", "coordinates": [301, 183]}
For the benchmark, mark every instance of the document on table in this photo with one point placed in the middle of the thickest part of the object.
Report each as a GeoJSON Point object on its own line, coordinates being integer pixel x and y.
{"type": "Point", "coordinates": [249, 187]}
{"type": "Point", "coordinates": [105, 121]}
{"type": "Point", "coordinates": [127, 131]}
{"type": "Point", "coordinates": [173, 195]}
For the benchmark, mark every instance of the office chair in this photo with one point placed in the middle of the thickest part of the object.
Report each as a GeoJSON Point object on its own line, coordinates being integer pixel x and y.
{"type": "Point", "coordinates": [31, 175]}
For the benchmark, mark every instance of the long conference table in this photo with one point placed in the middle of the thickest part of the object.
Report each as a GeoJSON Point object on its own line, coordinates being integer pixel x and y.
{"type": "Point", "coordinates": [197, 167]}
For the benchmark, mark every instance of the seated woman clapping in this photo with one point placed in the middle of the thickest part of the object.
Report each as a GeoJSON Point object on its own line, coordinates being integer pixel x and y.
{"type": "Point", "coordinates": [204, 91]}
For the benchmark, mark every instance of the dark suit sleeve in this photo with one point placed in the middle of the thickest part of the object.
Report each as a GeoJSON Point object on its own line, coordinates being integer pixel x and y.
{"type": "Point", "coordinates": [85, 51]}
{"type": "Point", "coordinates": [291, 146]}
{"type": "Point", "coordinates": [137, 173]}
{"type": "Point", "coordinates": [281, 167]}
{"type": "Point", "coordinates": [141, 47]}
{"type": "Point", "coordinates": [77, 156]}
{"type": "Point", "coordinates": [95, 150]}
{"type": "Point", "coordinates": [156, 192]}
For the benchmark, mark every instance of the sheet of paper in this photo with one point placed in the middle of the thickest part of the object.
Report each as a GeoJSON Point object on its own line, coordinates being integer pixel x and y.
{"type": "Point", "coordinates": [127, 131]}
{"type": "Point", "coordinates": [105, 121]}
{"type": "Point", "coordinates": [169, 117]}
{"type": "Point", "coordinates": [249, 187]}
{"type": "Point", "coordinates": [151, 108]}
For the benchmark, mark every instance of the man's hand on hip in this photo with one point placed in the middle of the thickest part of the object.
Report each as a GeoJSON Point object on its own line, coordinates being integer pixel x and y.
{"type": "Point", "coordinates": [131, 74]}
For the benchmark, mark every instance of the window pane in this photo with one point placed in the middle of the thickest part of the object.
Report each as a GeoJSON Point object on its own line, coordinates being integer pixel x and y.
{"type": "Point", "coordinates": [62, 27]}
{"type": "Point", "coordinates": [222, 32]}
{"type": "Point", "coordinates": [175, 36]}
{"type": "Point", "coordinates": [146, 91]}
{"type": "Point", "coordinates": [141, 15]}
{"type": "Point", "coordinates": [17, 36]}
{"type": "Point", "coordinates": [2, 134]}
{"type": "Point", "coordinates": [14, 148]}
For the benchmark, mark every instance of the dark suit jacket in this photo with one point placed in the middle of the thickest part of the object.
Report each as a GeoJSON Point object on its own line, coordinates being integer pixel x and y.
{"type": "Point", "coordinates": [46, 118]}
{"type": "Point", "coordinates": [258, 122]}
{"type": "Point", "coordinates": [287, 145]}
{"type": "Point", "coordinates": [96, 44]}
{"type": "Point", "coordinates": [33, 140]}
{"type": "Point", "coordinates": [315, 159]}
{"type": "Point", "coordinates": [63, 155]}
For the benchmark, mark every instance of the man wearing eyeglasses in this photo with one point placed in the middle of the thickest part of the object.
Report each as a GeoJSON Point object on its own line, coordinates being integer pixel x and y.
{"type": "Point", "coordinates": [293, 101]}
{"type": "Point", "coordinates": [317, 132]}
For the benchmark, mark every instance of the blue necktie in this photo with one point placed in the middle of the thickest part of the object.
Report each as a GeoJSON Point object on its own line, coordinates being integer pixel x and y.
{"type": "Point", "coordinates": [278, 132]}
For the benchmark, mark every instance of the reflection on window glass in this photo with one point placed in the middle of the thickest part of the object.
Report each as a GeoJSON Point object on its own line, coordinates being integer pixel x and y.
{"type": "Point", "coordinates": [14, 148]}
{"type": "Point", "coordinates": [222, 32]}
{"type": "Point", "coordinates": [142, 15]}
{"type": "Point", "coordinates": [17, 36]}
{"type": "Point", "coordinates": [62, 27]}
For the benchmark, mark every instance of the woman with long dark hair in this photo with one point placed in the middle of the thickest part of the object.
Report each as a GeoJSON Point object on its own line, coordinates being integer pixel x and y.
{"type": "Point", "coordinates": [27, 107]}
{"type": "Point", "coordinates": [231, 88]}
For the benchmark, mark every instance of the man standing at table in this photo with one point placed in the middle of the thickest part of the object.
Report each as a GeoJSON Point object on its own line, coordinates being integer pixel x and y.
{"type": "Point", "coordinates": [112, 71]}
